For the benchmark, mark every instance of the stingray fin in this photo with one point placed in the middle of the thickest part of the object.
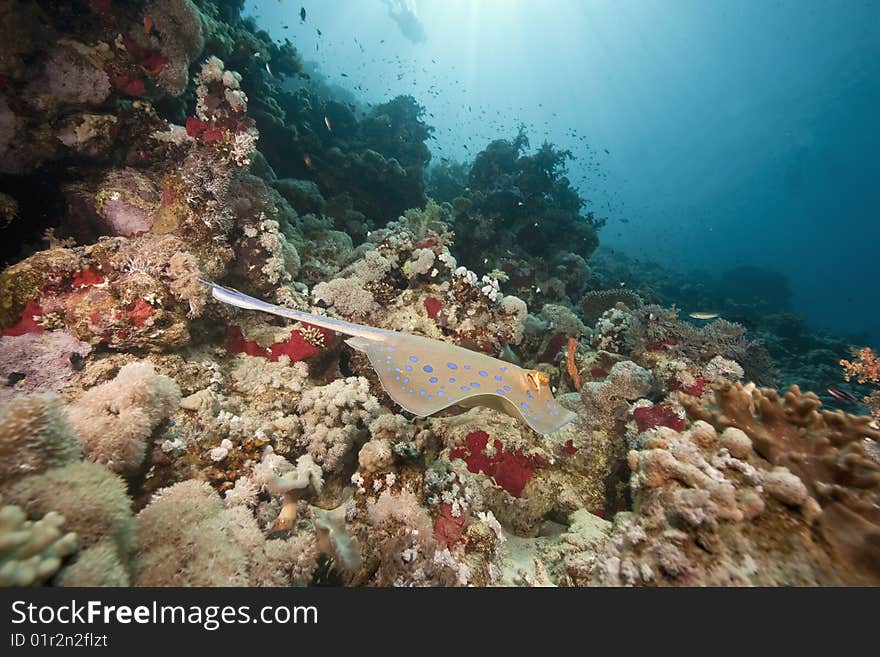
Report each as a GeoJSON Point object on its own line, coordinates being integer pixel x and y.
{"type": "Point", "coordinates": [361, 344]}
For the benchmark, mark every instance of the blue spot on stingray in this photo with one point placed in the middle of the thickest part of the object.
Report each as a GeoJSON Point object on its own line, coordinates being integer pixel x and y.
{"type": "Point", "coordinates": [411, 391]}
{"type": "Point", "coordinates": [430, 398]}
{"type": "Point", "coordinates": [507, 388]}
{"type": "Point", "coordinates": [482, 373]}
{"type": "Point", "coordinates": [422, 393]}
{"type": "Point", "coordinates": [524, 405]}
{"type": "Point", "coordinates": [397, 378]}
{"type": "Point", "coordinates": [406, 380]}
{"type": "Point", "coordinates": [465, 388]}
{"type": "Point", "coordinates": [440, 393]}
{"type": "Point", "coordinates": [451, 380]}
{"type": "Point", "coordinates": [503, 369]}
{"type": "Point", "coordinates": [500, 391]}
{"type": "Point", "coordinates": [475, 385]}
{"type": "Point", "coordinates": [530, 395]}
{"type": "Point", "coordinates": [396, 369]}
{"type": "Point", "coordinates": [467, 367]}
{"type": "Point", "coordinates": [433, 379]}
{"type": "Point", "coordinates": [409, 368]}
{"type": "Point", "coordinates": [413, 359]}
{"type": "Point", "coordinates": [452, 366]}
{"type": "Point", "coordinates": [498, 377]}
{"type": "Point", "coordinates": [428, 368]}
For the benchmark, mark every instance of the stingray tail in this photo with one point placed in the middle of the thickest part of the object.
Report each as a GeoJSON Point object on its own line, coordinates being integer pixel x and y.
{"type": "Point", "coordinates": [241, 300]}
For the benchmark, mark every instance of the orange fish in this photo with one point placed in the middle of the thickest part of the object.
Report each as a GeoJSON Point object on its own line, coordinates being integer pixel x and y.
{"type": "Point", "coordinates": [148, 23]}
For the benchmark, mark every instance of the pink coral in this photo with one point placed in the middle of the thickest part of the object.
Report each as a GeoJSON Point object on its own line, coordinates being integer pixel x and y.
{"type": "Point", "coordinates": [659, 415]}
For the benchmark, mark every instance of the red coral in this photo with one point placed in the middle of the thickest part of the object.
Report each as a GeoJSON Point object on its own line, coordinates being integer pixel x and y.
{"type": "Point", "coordinates": [86, 277]}
{"type": "Point", "coordinates": [432, 306]}
{"type": "Point", "coordinates": [569, 448]}
{"type": "Point", "coordinates": [26, 323]}
{"type": "Point", "coordinates": [139, 311]}
{"type": "Point", "coordinates": [696, 389]}
{"type": "Point", "coordinates": [598, 372]}
{"type": "Point", "coordinates": [556, 343]}
{"type": "Point", "coordinates": [296, 347]}
{"type": "Point", "coordinates": [447, 528]}
{"type": "Point", "coordinates": [236, 344]}
{"type": "Point", "coordinates": [195, 126]}
{"type": "Point", "coordinates": [129, 84]}
{"type": "Point", "coordinates": [659, 415]}
{"type": "Point", "coordinates": [100, 6]}
{"type": "Point", "coordinates": [511, 471]}
{"type": "Point", "coordinates": [212, 135]}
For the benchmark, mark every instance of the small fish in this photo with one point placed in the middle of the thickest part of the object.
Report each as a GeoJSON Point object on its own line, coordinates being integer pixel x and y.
{"type": "Point", "coordinates": [319, 32]}
{"type": "Point", "coordinates": [327, 123]}
{"type": "Point", "coordinates": [702, 315]}
{"type": "Point", "coordinates": [302, 14]}
{"type": "Point", "coordinates": [308, 160]}
{"type": "Point", "coordinates": [842, 395]}
{"type": "Point", "coordinates": [345, 75]}
{"type": "Point", "coordinates": [148, 23]}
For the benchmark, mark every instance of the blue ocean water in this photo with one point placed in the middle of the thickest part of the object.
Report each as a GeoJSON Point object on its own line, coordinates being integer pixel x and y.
{"type": "Point", "coordinates": [712, 135]}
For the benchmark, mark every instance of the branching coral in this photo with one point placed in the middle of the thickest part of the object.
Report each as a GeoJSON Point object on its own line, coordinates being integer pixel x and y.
{"type": "Point", "coordinates": [95, 506]}
{"type": "Point", "coordinates": [827, 450]}
{"type": "Point", "coordinates": [31, 551]}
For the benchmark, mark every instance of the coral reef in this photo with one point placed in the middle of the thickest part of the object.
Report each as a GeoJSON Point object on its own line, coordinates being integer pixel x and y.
{"type": "Point", "coordinates": [152, 437]}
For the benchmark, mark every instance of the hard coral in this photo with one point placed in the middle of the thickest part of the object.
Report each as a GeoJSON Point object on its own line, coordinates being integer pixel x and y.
{"type": "Point", "coordinates": [826, 449]}
{"type": "Point", "coordinates": [31, 551]}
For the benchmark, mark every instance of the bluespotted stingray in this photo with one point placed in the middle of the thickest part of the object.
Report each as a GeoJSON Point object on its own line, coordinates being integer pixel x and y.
{"type": "Point", "coordinates": [425, 376]}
